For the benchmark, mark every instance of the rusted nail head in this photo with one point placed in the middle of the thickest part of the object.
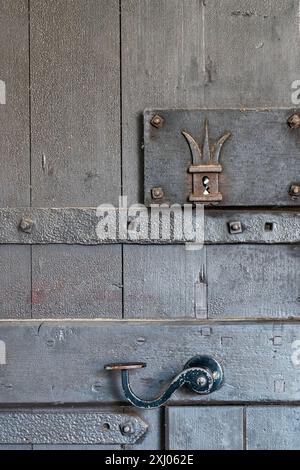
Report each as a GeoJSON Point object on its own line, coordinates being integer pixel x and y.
{"type": "Point", "coordinates": [295, 190]}
{"type": "Point", "coordinates": [157, 121]}
{"type": "Point", "coordinates": [294, 121]}
{"type": "Point", "coordinates": [157, 193]}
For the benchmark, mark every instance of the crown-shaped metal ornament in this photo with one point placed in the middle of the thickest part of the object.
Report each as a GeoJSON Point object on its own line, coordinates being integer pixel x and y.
{"type": "Point", "coordinates": [205, 167]}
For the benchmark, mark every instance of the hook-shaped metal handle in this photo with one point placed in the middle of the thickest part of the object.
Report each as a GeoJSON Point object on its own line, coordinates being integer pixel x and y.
{"type": "Point", "coordinates": [201, 374]}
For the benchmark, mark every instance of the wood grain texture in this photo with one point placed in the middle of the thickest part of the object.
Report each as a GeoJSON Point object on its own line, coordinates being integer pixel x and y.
{"type": "Point", "coordinates": [63, 362]}
{"type": "Point", "coordinates": [14, 106]}
{"type": "Point", "coordinates": [75, 71]}
{"type": "Point", "coordinates": [162, 65]}
{"type": "Point", "coordinates": [273, 428]}
{"type": "Point", "coordinates": [253, 281]}
{"type": "Point", "coordinates": [76, 282]}
{"type": "Point", "coordinates": [162, 282]}
{"type": "Point", "coordinates": [249, 60]}
{"type": "Point", "coordinates": [204, 428]}
{"type": "Point", "coordinates": [15, 283]}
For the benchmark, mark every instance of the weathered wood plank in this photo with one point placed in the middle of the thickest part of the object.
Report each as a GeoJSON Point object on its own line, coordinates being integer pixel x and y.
{"type": "Point", "coordinates": [67, 427]}
{"type": "Point", "coordinates": [253, 281]}
{"type": "Point", "coordinates": [78, 226]}
{"type": "Point", "coordinates": [14, 104]}
{"type": "Point", "coordinates": [249, 60]}
{"type": "Point", "coordinates": [75, 71]}
{"type": "Point", "coordinates": [260, 162]}
{"type": "Point", "coordinates": [273, 428]}
{"type": "Point", "coordinates": [260, 361]}
{"type": "Point", "coordinates": [15, 283]}
{"type": "Point", "coordinates": [164, 282]}
{"type": "Point", "coordinates": [76, 281]}
{"type": "Point", "coordinates": [162, 65]}
{"type": "Point", "coordinates": [204, 428]}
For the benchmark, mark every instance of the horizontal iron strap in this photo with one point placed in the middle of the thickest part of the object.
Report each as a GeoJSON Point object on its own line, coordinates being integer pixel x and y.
{"type": "Point", "coordinates": [79, 226]}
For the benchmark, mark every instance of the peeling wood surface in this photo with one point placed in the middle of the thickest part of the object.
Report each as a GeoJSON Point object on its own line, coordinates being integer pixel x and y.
{"type": "Point", "coordinates": [78, 226]}
{"type": "Point", "coordinates": [75, 73]}
{"type": "Point", "coordinates": [260, 360]}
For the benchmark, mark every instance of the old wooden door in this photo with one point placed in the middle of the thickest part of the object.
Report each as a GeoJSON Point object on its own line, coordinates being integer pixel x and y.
{"type": "Point", "coordinates": [76, 76]}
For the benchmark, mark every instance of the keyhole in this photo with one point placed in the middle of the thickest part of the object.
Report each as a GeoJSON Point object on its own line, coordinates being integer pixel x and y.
{"type": "Point", "coordinates": [205, 181]}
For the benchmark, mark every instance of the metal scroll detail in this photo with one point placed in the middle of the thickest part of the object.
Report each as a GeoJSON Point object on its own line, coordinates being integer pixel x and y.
{"type": "Point", "coordinates": [201, 374]}
{"type": "Point", "coordinates": [205, 167]}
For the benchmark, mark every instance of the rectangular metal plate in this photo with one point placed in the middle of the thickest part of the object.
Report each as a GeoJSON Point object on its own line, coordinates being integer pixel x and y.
{"type": "Point", "coordinates": [260, 161]}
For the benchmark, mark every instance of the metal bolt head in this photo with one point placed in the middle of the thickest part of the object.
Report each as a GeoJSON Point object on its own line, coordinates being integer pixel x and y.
{"type": "Point", "coordinates": [26, 225]}
{"type": "Point", "coordinates": [202, 381]}
{"type": "Point", "coordinates": [127, 428]}
{"type": "Point", "coordinates": [157, 121]}
{"type": "Point", "coordinates": [295, 190]}
{"type": "Point", "coordinates": [235, 227]}
{"type": "Point", "coordinates": [157, 193]}
{"type": "Point", "coordinates": [294, 121]}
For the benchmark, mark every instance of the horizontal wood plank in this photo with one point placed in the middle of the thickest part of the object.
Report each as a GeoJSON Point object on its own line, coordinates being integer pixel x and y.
{"type": "Point", "coordinates": [260, 361]}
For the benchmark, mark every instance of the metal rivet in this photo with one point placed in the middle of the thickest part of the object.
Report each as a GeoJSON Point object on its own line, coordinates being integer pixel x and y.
{"type": "Point", "coordinates": [294, 121]}
{"type": "Point", "coordinates": [157, 121]}
{"type": "Point", "coordinates": [235, 227]}
{"type": "Point", "coordinates": [202, 381]}
{"type": "Point", "coordinates": [295, 190]}
{"type": "Point", "coordinates": [157, 193]}
{"type": "Point", "coordinates": [127, 428]}
{"type": "Point", "coordinates": [26, 224]}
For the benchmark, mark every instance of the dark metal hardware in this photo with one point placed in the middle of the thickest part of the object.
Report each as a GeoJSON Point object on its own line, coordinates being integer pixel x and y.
{"type": "Point", "coordinates": [201, 374]}
{"type": "Point", "coordinates": [205, 167]}
{"type": "Point", "coordinates": [294, 190]}
{"type": "Point", "coordinates": [235, 227]}
{"type": "Point", "coordinates": [157, 193]}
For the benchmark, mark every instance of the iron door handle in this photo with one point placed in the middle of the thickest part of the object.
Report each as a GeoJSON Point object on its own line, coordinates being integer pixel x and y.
{"type": "Point", "coordinates": [201, 374]}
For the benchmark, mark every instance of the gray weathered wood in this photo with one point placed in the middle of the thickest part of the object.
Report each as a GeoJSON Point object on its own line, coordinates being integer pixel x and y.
{"type": "Point", "coordinates": [14, 108]}
{"type": "Point", "coordinates": [204, 428]}
{"type": "Point", "coordinates": [75, 71]}
{"type": "Point", "coordinates": [163, 282]}
{"type": "Point", "coordinates": [15, 283]}
{"type": "Point", "coordinates": [78, 226]}
{"type": "Point", "coordinates": [259, 162]}
{"type": "Point", "coordinates": [273, 428]}
{"type": "Point", "coordinates": [76, 281]}
{"type": "Point", "coordinates": [249, 60]}
{"type": "Point", "coordinates": [69, 427]}
{"type": "Point", "coordinates": [162, 65]}
{"type": "Point", "coordinates": [253, 281]}
{"type": "Point", "coordinates": [53, 362]}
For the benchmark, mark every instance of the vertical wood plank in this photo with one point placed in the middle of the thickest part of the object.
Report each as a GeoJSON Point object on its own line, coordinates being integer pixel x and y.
{"type": "Point", "coordinates": [15, 282]}
{"type": "Point", "coordinates": [273, 428]}
{"type": "Point", "coordinates": [205, 428]}
{"type": "Point", "coordinates": [14, 104]}
{"type": "Point", "coordinates": [251, 52]}
{"type": "Point", "coordinates": [75, 102]}
{"type": "Point", "coordinates": [77, 281]}
{"type": "Point", "coordinates": [163, 282]}
{"type": "Point", "coordinates": [253, 281]}
{"type": "Point", "coordinates": [162, 66]}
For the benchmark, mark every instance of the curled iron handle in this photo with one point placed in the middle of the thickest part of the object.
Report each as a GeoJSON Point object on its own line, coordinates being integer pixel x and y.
{"type": "Point", "coordinates": [201, 374]}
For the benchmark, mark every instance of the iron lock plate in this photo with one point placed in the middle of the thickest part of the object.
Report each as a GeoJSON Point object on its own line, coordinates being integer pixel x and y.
{"type": "Point", "coordinates": [230, 157]}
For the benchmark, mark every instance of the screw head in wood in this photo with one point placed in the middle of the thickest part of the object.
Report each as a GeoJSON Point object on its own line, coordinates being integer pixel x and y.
{"type": "Point", "coordinates": [157, 193]}
{"type": "Point", "coordinates": [157, 121]}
